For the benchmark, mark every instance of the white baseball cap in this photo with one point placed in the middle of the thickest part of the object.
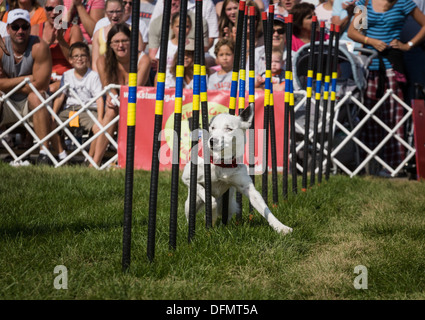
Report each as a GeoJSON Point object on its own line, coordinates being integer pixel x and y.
{"type": "Point", "coordinates": [17, 14]}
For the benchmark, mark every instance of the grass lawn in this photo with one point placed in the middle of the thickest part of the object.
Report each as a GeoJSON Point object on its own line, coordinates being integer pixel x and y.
{"type": "Point", "coordinates": [72, 216]}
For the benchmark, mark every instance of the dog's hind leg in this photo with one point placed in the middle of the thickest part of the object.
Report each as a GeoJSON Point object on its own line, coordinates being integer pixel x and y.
{"type": "Point", "coordinates": [200, 200]}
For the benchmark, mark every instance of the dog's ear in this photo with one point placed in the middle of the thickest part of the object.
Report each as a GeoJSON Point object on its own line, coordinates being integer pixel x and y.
{"type": "Point", "coordinates": [246, 117]}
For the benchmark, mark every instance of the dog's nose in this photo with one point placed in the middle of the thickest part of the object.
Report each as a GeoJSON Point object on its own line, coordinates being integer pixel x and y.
{"type": "Point", "coordinates": [213, 142]}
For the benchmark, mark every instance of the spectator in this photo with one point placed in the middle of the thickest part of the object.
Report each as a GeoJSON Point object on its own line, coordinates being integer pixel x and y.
{"type": "Point", "coordinates": [302, 15]}
{"type": "Point", "coordinates": [279, 31]}
{"type": "Point", "coordinates": [114, 68]}
{"type": "Point", "coordinates": [34, 59]}
{"type": "Point", "coordinates": [86, 83]}
{"type": "Point", "coordinates": [85, 13]}
{"type": "Point", "coordinates": [156, 25]}
{"type": "Point", "coordinates": [228, 18]}
{"type": "Point", "coordinates": [342, 13]}
{"type": "Point", "coordinates": [37, 14]}
{"type": "Point", "coordinates": [283, 7]}
{"type": "Point", "coordinates": [58, 40]}
{"type": "Point", "coordinates": [115, 14]}
{"type": "Point", "coordinates": [277, 69]}
{"type": "Point", "coordinates": [173, 43]}
{"type": "Point", "coordinates": [188, 67]}
{"type": "Point", "coordinates": [146, 9]}
{"type": "Point", "coordinates": [224, 52]}
{"type": "Point", "coordinates": [208, 13]}
{"type": "Point", "coordinates": [127, 5]}
{"type": "Point", "coordinates": [324, 13]}
{"type": "Point", "coordinates": [385, 22]}
{"type": "Point", "coordinates": [414, 59]}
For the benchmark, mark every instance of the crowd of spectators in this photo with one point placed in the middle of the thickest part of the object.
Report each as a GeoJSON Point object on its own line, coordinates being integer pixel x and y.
{"type": "Point", "coordinates": [41, 34]}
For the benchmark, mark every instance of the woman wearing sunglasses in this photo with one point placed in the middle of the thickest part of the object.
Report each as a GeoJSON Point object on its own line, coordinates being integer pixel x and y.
{"type": "Point", "coordinates": [59, 40]}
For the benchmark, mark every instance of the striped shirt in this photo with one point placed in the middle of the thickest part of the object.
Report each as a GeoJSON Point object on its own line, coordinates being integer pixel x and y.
{"type": "Point", "coordinates": [386, 26]}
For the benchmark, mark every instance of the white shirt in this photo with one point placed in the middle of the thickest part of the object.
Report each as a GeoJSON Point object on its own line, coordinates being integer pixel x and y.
{"type": "Point", "coordinates": [324, 15]}
{"type": "Point", "coordinates": [86, 88]}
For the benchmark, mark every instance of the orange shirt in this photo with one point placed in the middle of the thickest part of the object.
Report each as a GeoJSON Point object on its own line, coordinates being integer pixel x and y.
{"type": "Point", "coordinates": [38, 17]}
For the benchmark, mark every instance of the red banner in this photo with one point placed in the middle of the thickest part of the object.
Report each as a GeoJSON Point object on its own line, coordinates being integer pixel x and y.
{"type": "Point", "coordinates": [218, 101]}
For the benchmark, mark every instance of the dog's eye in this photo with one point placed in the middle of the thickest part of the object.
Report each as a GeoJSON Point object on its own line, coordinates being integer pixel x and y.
{"type": "Point", "coordinates": [228, 129]}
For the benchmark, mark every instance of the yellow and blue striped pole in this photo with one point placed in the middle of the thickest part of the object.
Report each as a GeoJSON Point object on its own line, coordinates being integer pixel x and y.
{"type": "Point", "coordinates": [205, 138]}
{"type": "Point", "coordinates": [309, 90]}
{"type": "Point", "coordinates": [333, 98]}
{"type": "Point", "coordinates": [288, 75]}
{"type": "Point", "coordinates": [326, 89]}
{"type": "Point", "coordinates": [293, 144]}
{"type": "Point", "coordinates": [195, 119]}
{"type": "Point", "coordinates": [175, 167]}
{"type": "Point", "coordinates": [266, 122]}
{"type": "Point", "coordinates": [131, 129]}
{"type": "Point", "coordinates": [159, 106]}
{"type": "Point", "coordinates": [251, 97]}
{"type": "Point", "coordinates": [318, 95]}
{"type": "Point", "coordinates": [233, 90]}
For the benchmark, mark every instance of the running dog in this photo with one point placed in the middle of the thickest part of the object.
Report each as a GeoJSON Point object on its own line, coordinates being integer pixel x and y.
{"type": "Point", "coordinates": [226, 144]}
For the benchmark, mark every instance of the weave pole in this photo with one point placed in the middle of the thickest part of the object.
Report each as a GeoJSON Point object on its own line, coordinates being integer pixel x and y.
{"type": "Point", "coordinates": [309, 90]}
{"type": "Point", "coordinates": [271, 108]}
{"type": "Point", "coordinates": [233, 90]}
{"type": "Point", "coordinates": [205, 138]}
{"type": "Point", "coordinates": [177, 125]}
{"type": "Point", "coordinates": [195, 120]}
{"type": "Point", "coordinates": [333, 98]}
{"type": "Point", "coordinates": [318, 99]}
{"type": "Point", "coordinates": [159, 106]}
{"type": "Point", "coordinates": [265, 175]}
{"type": "Point", "coordinates": [131, 130]}
{"type": "Point", "coordinates": [242, 89]}
{"type": "Point", "coordinates": [325, 102]}
{"type": "Point", "coordinates": [288, 72]}
{"type": "Point", "coordinates": [293, 144]}
{"type": "Point", "coordinates": [251, 96]}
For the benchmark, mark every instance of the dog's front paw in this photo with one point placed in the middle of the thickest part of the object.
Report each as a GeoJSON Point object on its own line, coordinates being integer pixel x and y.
{"type": "Point", "coordinates": [283, 229]}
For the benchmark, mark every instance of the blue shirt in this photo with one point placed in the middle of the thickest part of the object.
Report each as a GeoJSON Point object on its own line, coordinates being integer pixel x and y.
{"type": "Point", "coordinates": [386, 26]}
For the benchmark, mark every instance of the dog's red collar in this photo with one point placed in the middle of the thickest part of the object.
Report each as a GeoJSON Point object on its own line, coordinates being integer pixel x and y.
{"type": "Point", "coordinates": [224, 165]}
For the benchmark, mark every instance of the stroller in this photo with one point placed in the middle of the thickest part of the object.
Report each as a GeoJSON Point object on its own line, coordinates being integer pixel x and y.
{"type": "Point", "coordinates": [352, 77]}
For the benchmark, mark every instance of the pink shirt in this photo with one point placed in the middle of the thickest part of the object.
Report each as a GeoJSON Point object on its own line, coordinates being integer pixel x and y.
{"type": "Point", "coordinates": [91, 4]}
{"type": "Point", "coordinates": [297, 43]}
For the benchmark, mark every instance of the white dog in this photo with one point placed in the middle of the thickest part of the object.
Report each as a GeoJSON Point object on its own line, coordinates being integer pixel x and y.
{"type": "Point", "coordinates": [226, 144]}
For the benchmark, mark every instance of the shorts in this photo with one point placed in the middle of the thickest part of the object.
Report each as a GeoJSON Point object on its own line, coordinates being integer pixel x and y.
{"type": "Point", "coordinates": [7, 116]}
{"type": "Point", "coordinates": [85, 120]}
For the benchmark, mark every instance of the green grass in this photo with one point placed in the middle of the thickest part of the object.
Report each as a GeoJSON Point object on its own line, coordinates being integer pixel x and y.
{"type": "Point", "coordinates": [73, 216]}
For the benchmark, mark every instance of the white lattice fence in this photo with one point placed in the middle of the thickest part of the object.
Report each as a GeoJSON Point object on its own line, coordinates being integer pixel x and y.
{"type": "Point", "coordinates": [46, 103]}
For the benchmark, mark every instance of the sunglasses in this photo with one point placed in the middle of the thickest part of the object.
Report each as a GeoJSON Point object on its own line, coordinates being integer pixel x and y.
{"type": "Point", "coordinates": [48, 9]}
{"type": "Point", "coordinates": [24, 27]}
{"type": "Point", "coordinates": [279, 31]}
{"type": "Point", "coordinates": [127, 3]}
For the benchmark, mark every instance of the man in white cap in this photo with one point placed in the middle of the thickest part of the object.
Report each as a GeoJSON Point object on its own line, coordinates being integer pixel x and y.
{"type": "Point", "coordinates": [29, 58]}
